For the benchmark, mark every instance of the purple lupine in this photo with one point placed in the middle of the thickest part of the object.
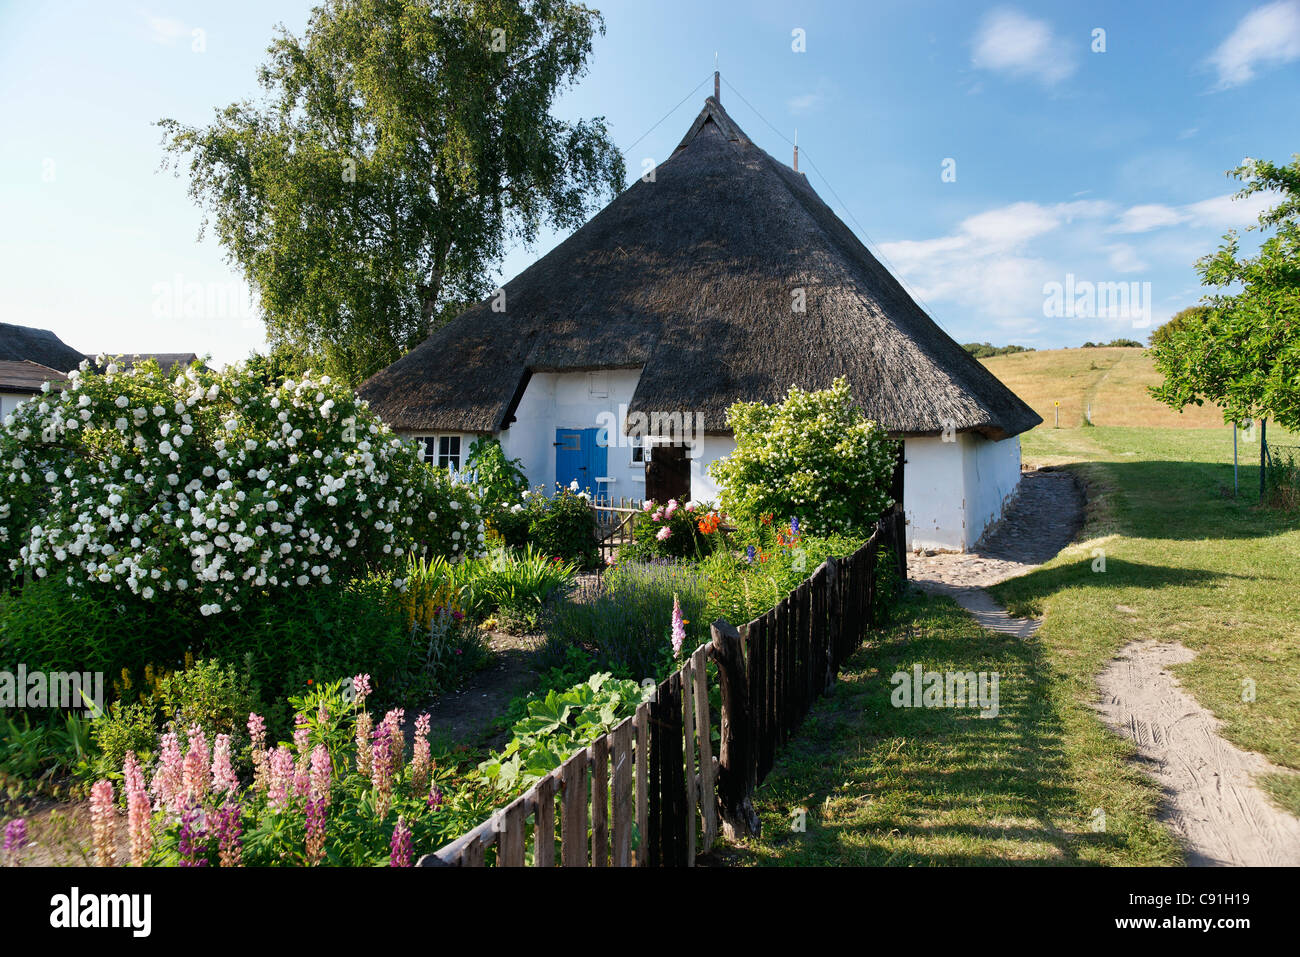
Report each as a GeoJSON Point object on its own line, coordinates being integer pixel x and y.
{"type": "Point", "coordinates": [794, 526]}
{"type": "Point", "coordinates": [192, 842]}
{"type": "Point", "coordinates": [402, 846]}
{"type": "Point", "coordinates": [435, 798]}
{"type": "Point", "coordinates": [15, 839]}
{"type": "Point", "coordinates": [749, 554]}
{"type": "Point", "coordinates": [229, 832]}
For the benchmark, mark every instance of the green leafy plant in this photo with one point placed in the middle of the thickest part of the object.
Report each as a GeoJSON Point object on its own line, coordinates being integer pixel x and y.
{"type": "Point", "coordinates": [813, 457]}
{"type": "Point", "coordinates": [559, 725]}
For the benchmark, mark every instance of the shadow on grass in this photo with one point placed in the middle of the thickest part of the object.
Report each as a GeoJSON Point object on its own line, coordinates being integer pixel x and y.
{"type": "Point", "coordinates": [929, 786]}
{"type": "Point", "coordinates": [1193, 501]}
{"type": "Point", "coordinates": [1026, 592]}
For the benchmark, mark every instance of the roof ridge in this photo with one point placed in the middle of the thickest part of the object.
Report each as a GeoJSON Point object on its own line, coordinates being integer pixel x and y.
{"type": "Point", "coordinates": [714, 112]}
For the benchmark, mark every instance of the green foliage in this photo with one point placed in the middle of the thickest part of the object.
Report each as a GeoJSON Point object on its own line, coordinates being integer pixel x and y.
{"type": "Point", "coordinates": [401, 144]}
{"type": "Point", "coordinates": [1179, 321]}
{"type": "Point", "coordinates": [1243, 352]}
{"type": "Point", "coordinates": [984, 350]}
{"type": "Point", "coordinates": [1113, 344]}
{"type": "Point", "coordinates": [126, 726]}
{"type": "Point", "coordinates": [35, 757]}
{"type": "Point", "coordinates": [627, 627]}
{"type": "Point", "coordinates": [814, 457]}
{"type": "Point", "coordinates": [499, 481]}
{"type": "Point", "coordinates": [511, 579]}
{"type": "Point", "coordinates": [564, 525]}
{"type": "Point", "coordinates": [214, 695]}
{"type": "Point", "coordinates": [559, 725]}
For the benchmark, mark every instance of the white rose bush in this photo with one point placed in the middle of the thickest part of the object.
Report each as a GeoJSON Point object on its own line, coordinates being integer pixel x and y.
{"type": "Point", "coordinates": [213, 489]}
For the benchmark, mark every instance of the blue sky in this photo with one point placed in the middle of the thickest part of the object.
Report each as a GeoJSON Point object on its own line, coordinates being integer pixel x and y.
{"type": "Point", "coordinates": [1101, 166]}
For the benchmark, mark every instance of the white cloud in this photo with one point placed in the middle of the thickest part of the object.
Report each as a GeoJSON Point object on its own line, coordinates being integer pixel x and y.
{"type": "Point", "coordinates": [1012, 43]}
{"type": "Point", "coordinates": [1267, 35]}
{"type": "Point", "coordinates": [1218, 212]}
{"type": "Point", "coordinates": [1124, 258]}
{"type": "Point", "coordinates": [164, 30]}
{"type": "Point", "coordinates": [1148, 216]}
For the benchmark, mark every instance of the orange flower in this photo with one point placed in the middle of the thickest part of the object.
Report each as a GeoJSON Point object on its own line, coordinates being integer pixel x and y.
{"type": "Point", "coordinates": [766, 518]}
{"type": "Point", "coordinates": [708, 524]}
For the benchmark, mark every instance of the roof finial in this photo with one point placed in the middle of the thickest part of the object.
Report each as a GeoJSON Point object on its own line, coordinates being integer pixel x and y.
{"type": "Point", "coordinates": [717, 79]}
{"type": "Point", "coordinates": [796, 149]}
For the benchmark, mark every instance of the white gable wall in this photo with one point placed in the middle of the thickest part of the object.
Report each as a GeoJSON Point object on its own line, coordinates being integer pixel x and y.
{"type": "Point", "coordinates": [954, 490]}
{"type": "Point", "coordinates": [992, 472]}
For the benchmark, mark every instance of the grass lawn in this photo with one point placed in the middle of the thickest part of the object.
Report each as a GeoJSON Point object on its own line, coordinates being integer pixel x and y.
{"type": "Point", "coordinates": [885, 785]}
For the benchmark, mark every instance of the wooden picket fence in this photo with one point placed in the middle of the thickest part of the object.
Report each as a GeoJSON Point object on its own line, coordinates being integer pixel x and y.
{"type": "Point", "coordinates": [651, 792]}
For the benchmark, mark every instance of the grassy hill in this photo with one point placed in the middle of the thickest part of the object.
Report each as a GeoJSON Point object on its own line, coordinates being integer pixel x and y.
{"type": "Point", "coordinates": [1111, 382]}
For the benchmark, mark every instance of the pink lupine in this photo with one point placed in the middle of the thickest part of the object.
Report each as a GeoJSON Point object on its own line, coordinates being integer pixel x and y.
{"type": "Point", "coordinates": [168, 777]}
{"type": "Point", "coordinates": [196, 769]}
{"type": "Point", "coordinates": [224, 779]}
{"type": "Point", "coordinates": [315, 844]}
{"type": "Point", "coordinates": [361, 690]}
{"type": "Point", "coordinates": [679, 627]}
{"type": "Point", "coordinates": [257, 739]}
{"type": "Point", "coordinates": [279, 778]}
{"type": "Point", "coordinates": [139, 811]}
{"type": "Point", "coordinates": [321, 774]}
{"type": "Point", "coordinates": [103, 820]}
{"type": "Point", "coordinates": [421, 760]}
{"type": "Point", "coordinates": [392, 724]}
{"type": "Point", "coordinates": [381, 777]}
{"type": "Point", "coordinates": [364, 729]}
{"type": "Point", "coordinates": [401, 848]}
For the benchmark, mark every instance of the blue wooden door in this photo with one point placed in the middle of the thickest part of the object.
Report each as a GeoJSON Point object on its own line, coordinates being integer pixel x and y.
{"type": "Point", "coordinates": [580, 458]}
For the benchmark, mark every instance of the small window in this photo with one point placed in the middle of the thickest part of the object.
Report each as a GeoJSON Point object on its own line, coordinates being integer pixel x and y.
{"type": "Point", "coordinates": [638, 450]}
{"type": "Point", "coordinates": [449, 452]}
{"type": "Point", "coordinates": [440, 450]}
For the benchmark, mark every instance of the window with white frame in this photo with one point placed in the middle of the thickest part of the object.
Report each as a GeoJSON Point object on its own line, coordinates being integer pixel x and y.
{"type": "Point", "coordinates": [638, 450]}
{"type": "Point", "coordinates": [440, 450]}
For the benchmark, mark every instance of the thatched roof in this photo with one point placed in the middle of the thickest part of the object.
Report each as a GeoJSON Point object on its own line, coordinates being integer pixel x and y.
{"type": "Point", "coordinates": [692, 277]}
{"type": "Point", "coordinates": [24, 343]}
{"type": "Point", "coordinates": [27, 377]}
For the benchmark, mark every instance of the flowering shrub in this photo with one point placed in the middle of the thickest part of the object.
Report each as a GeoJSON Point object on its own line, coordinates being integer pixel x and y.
{"type": "Point", "coordinates": [675, 530]}
{"type": "Point", "coordinates": [211, 487]}
{"type": "Point", "coordinates": [813, 457]}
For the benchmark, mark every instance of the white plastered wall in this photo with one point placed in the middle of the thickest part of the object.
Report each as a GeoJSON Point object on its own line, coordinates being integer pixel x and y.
{"type": "Point", "coordinates": [954, 490]}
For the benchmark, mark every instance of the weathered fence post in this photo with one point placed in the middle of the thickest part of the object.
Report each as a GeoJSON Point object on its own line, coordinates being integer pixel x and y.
{"type": "Point", "coordinates": [736, 771]}
{"type": "Point", "coordinates": [831, 608]}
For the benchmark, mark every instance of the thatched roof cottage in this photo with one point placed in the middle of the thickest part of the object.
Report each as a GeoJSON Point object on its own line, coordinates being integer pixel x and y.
{"type": "Point", "coordinates": [721, 277]}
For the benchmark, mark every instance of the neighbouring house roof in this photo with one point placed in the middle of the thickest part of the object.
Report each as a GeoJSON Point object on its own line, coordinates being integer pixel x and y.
{"type": "Point", "coordinates": [27, 377]}
{"type": "Point", "coordinates": [24, 343]}
{"type": "Point", "coordinates": [692, 277]}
